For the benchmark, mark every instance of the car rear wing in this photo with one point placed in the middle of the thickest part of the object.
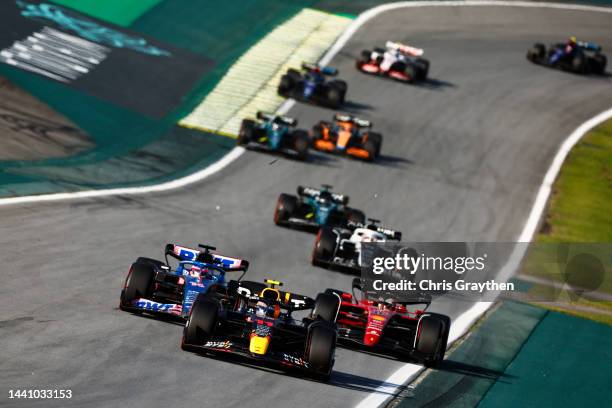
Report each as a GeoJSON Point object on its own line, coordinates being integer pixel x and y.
{"type": "Point", "coordinates": [227, 263]}
{"type": "Point", "coordinates": [271, 116]}
{"type": "Point", "coordinates": [405, 49]}
{"type": "Point", "coordinates": [314, 193]}
{"type": "Point", "coordinates": [590, 46]}
{"type": "Point", "coordinates": [343, 117]}
{"type": "Point", "coordinates": [310, 66]}
{"type": "Point", "coordinates": [389, 233]}
{"type": "Point", "coordinates": [257, 290]}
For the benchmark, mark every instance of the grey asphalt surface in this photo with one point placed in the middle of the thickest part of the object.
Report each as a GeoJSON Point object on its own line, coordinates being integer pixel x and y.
{"type": "Point", "coordinates": [463, 157]}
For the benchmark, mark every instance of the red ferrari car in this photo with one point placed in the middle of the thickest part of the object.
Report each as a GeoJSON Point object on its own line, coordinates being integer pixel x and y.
{"type": "Point", "coordinates": [401, 329]}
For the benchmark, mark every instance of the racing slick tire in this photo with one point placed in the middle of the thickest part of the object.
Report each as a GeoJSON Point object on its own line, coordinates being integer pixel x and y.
{"type": "Point", "coordinates": [286, 86]}
{"type": "Point", "coordinates": [536, 53]}
{"type": "Point", "coordinates": [598, 64]}
{"type": "Point", "coordinates": [335, 95]}
{"type": "Point", "coordinates": [137, 284]}
{"type": "Point", "coordinates": [411, 72]}
{"type": "Point", "coordinates": [370, 146]}
{"type": "Point", "coordinates": [364, 58]}
{"type": "Point", "coordinates": [317, 131]}
{"type": "Point", "coordinates": [355, 215]}
{"type": "Point", "coordinates": [247, 130]}
{"type": "Point", "coordinates": [429, 340]}
{"type": "Point", "coordinates": [376, 138]}
{"type": "Point", "coordinates": [285, 207]}
{"type": "Point", "coordinates": [422, 69]}
{"type": "Point", "coordinates": [154, 262]}
{"type": "Point", "coordinates": [201, 323]}
{"type": "Point", "coordinates": [326, 307]}
{"type": "Point", "coordinates": [320, 349]}
{"type": "Point", "coordinates": [301, 141]}
{"type": "Point", "coordinates": [579, 63]}
{"type": "Point", "coordinates": [324, 247]}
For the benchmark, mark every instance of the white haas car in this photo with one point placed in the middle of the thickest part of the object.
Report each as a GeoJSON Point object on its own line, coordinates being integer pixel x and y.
{"type": "Point", "coordinates": [398, 61]}
{"type": "Point", "coordinates": [342, 247]}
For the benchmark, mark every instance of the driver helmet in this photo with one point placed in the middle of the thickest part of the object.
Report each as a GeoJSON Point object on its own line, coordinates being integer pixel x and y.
{"type": "Point", "coordinates": [195, 271]}
{"type": "Point", "coordinates": [325, 197]}
{"type": "Point", "coordinates": [262, 309]}
{"type": "Point", "coordinates": [572, 40]}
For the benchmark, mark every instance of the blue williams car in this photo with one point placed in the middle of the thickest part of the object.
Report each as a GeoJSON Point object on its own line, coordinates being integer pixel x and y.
{"type": "Point", "coordinates": [311, 85]}
{"type": "Point", "coordinates": [313, 208]}
{"type": "Point", "coordinates": [275, 133]}
{"type": "Point", "coordinates": [153, 287]}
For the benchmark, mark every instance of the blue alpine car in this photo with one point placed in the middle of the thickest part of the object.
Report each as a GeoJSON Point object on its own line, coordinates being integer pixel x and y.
{"type": "Point", "coordinates": [153, 287]}
{"type": "Point", "coordinates": [311, 85]}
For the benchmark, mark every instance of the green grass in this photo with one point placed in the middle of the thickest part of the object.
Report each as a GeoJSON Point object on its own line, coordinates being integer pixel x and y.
{"type": "Point", "coordinates": [580, 211]}
{"type": "Point", "coordinates": [581, 206]}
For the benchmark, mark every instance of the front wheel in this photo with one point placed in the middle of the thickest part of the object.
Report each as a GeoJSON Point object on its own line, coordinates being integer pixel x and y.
{"type": "Point", "coordinates": [201, 323]}
{"type": "Point", "coordinates": [300, 144]}
{"type": "Point", "coordinates": [320, 349]}
{"type": "Point", "coordinates": [324, 247]}
{"type": "Point", "coordinates": [285, 207]}
{"type": "Point", "coordinates": [137, 284]}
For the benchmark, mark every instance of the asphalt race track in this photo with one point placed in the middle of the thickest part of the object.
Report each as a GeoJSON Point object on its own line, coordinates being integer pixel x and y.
{"type": "Point", "coordinates": [463, 157]}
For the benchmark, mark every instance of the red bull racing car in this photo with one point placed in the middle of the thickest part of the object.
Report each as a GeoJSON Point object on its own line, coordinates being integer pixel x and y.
{"type": "Point", "coordinates": [404, 330]}
{"type": "Point", "coordinates": [254, 321]}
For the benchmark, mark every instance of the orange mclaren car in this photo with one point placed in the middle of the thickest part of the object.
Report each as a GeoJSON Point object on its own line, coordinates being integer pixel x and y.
{"type": "Point", "coordinates": [347, 135]}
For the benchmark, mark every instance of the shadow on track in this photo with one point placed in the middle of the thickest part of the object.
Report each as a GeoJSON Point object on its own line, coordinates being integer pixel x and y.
{"type": "Point", "coordinates": [338, 379]}
{"type": "Point", "coordinates": [435, 84]}
{"type": "Point", "coordinates": [462, 368]}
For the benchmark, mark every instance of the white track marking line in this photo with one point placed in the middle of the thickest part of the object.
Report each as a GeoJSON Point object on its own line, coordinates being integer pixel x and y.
{"type": "Point", "coordinates": [251, 82]}
{"type": "Point", "coordinates": [340, 42]}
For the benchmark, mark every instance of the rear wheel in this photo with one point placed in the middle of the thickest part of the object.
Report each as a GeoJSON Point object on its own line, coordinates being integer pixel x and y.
{"type": "Point", "coordinates": [247, 130]}
{"type": "Point", "coordinates": [324, 247]}
{"type": "Point", "coordinates": [201, 323]}
{"type": "Point", "coordinates": [422, 69]}
{"type": "Point", "coordinates": [376, 138]}
{"type": "Point", "coordinates": [354, 215]}
{"type": "Point", "coordinates": [300, 144]}
{"type": "Point", "coordinates": [285, 207]}
{"type": "Point", "coordinates": [286, 86]}
{"type": "Point", "coordinates": [430, 333]}
{"type": "Point", "coordinates": [335, 96]}
{"type": "Point", "coordinates": [579, 63]}
{"type": "Point", "coordinates": [137, 284]}
{"type": "Point", "coordinates": [599, 64]}
{"type": "Point", "coordinates": [364, 58]}
{"type": "Point", "coordinates": [320, 350]}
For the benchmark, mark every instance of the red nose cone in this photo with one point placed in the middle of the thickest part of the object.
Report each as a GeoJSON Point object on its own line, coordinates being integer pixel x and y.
{"type": "Point", "coordinates": [370, 340]}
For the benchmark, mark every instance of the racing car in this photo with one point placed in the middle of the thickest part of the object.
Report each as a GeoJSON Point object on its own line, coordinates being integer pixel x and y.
{"type": "Point", "coordinates": [398, 61]}
{"type": "Point", "coordinates": [576, 56]}
{"type": "Point", "coordinates": [275, 133]}
{"type": "Point", "coordinates": [313, 208]}
{"type": "Point", "coordinates": [310, 85]}
{"type": "Point", "coordinates": [347, 135]}
{"type": "Point", "coordinates": [254, 320]}
{"type": "Point", "coordinates": [341, 247]}
{"type": "Point", "coordinates": [404, 330]}
{"type": "Point", "coordinates": [153, 287]}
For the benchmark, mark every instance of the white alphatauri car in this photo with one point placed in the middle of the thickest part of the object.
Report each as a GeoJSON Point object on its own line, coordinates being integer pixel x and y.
{"type": "Point", "coordinates": [342, 247]}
